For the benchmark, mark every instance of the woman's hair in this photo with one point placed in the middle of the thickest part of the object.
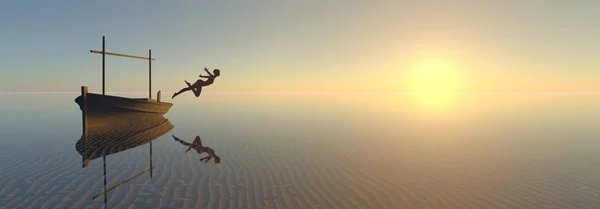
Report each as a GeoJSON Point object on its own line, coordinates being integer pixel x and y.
{"type": "Point", "coordinates": [217, 160]}
{"type": "Point", "coordinates": [217, 72]}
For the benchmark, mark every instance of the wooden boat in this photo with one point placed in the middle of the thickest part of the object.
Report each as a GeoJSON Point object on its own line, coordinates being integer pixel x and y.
{"type": "Point", "coordinates": [103, 101]}
{"type": "Point", "coordinates": [99, 102]}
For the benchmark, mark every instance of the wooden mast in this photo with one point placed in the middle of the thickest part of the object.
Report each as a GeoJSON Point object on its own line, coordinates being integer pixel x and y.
{"type": "Point", "coordinates": [150, 74]}
{"type": "Point", "coordinates": [103, 58]}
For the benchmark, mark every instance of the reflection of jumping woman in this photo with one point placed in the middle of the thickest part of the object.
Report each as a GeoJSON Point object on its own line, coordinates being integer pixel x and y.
{"type": "Point", "coordinates": [197, 145]}
{"type": "Point", "coordinates": [197, 87]}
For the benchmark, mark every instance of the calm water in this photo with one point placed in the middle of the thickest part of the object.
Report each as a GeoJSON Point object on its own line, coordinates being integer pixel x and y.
{"type": "Point", "coordinates": [316, 151]}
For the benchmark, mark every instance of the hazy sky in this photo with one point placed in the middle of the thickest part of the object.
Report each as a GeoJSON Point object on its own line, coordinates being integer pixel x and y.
{"type": "Point", "coordinates": [304, 45]}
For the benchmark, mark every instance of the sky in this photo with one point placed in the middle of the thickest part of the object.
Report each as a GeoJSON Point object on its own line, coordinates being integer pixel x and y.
{"type": "Point", "coordinates": [299, 46]}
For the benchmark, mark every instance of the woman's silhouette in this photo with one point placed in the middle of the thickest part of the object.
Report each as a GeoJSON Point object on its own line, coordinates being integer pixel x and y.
{"type": "Point", "coordinates": [197, 145]}
{"type": "Point", "coordinates": [197, 87]}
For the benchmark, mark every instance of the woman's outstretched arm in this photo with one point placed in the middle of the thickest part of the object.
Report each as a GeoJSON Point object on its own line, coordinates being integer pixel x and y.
{"type": "Point", "coordinates": [210, 74]}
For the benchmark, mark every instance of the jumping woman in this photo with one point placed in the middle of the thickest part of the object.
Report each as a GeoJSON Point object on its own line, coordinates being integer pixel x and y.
{"type": "Point", "coordinates": [197, 87]}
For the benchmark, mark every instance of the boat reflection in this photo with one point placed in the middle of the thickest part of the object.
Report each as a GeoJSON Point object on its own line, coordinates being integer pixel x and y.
{"type": "Point", "coordinates": [108, 131]}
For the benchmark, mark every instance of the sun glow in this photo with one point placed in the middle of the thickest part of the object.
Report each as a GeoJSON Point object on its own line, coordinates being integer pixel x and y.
{"type": "Point", "coordinates": [434, 82]}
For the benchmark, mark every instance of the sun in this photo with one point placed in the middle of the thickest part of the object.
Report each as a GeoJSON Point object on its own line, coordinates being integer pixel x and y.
{"type": "Point", "coordinates": [434, 81]}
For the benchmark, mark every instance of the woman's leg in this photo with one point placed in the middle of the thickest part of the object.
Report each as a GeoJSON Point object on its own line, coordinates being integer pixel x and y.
{"type": "Point", "coordinates": [198, 141]}
{"type": "Point", "coordinates": [181, 141]}
{"type": "Point", "coordinates": [181, 91]}
{"type": "Point", "coordinates": [196, 87]}
{"type": "Point", "coordinates": [197, 90]}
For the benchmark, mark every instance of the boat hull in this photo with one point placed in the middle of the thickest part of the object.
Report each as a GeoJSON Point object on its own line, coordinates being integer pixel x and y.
{"type": "Point", "coordinates": [99, 103]}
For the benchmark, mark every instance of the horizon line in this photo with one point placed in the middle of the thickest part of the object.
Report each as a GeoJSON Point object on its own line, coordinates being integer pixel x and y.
{"type": "Point", "coordinates": [331, 92]}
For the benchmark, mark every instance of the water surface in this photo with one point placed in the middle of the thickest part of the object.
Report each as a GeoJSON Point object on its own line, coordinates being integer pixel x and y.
{"type": "Point", "coordinates": [316, 151]}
